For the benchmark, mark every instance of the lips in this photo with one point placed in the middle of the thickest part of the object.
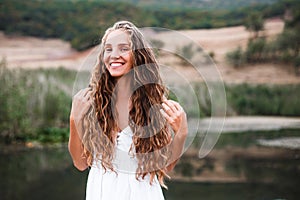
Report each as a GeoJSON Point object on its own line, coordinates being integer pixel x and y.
{"type": "Point", "coordinates": [116, 64]}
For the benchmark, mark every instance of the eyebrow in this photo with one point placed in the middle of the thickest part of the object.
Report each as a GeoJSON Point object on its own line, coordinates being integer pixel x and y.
{"type": "Point", "coordinates": [121, 44]}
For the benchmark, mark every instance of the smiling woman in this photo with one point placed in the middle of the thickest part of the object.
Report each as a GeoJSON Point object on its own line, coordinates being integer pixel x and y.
{"type": "Point", "coordinates": [122, 125]}
{"type": "Point", "coordinates": [117, 53]}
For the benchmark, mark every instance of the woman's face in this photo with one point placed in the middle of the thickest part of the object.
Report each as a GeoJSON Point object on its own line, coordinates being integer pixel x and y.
{"type": "Point", "coordinates": [118, 57]}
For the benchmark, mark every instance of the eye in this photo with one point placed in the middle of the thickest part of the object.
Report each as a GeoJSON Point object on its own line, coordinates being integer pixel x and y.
{"type": "Point", "coordinates": [108, 49]}
{"type": "Point", "coordinates": [125, 49]}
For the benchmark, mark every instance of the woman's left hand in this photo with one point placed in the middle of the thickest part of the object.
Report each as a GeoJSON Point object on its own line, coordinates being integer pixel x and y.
{"type": "Point", "coordinates": [175, 115]}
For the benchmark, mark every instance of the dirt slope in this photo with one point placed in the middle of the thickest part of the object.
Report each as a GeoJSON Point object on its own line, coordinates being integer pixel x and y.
{"type": "Point", "coordinates": [29, 52]}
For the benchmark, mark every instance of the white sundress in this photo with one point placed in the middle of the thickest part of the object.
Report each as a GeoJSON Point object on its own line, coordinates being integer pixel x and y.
{"type": "Point", "coordinates": [108, 185]}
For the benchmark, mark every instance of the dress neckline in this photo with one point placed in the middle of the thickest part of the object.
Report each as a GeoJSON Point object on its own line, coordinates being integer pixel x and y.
{"type": "Point", "coordinates": [127, 131]}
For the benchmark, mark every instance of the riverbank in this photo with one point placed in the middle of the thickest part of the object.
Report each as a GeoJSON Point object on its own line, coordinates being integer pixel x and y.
{"type": "Point", "coordinates": [246, 146]}
{"type": "Point", "coordinates": [250, 123]}
{"type": "Point", "coordinates": [239, 157]}
{"type": "Point", "coordinates": [231, 164]}
{"type": "Point", "coordinates": [232, 124]}
{"type": "Point", "coordinates": [242, 124]}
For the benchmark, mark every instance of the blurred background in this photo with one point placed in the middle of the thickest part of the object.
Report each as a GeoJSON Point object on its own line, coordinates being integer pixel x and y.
{"type": "Point", "coordinates": [254, 43]}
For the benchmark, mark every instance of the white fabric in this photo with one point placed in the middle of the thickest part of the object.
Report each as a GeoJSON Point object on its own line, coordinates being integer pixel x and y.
{"type": "Point", "coordinates": [122, 185]}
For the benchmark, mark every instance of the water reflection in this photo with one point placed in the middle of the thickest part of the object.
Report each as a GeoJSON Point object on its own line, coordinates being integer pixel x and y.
{"type": "Point", "coordinates": [40, 174]}
{"type": "Point", "coordinates": [282, 176]}
{"type": "Point", "coordinates": [48, 174]}
{"type": "Point", "coordinates": [227, 191]}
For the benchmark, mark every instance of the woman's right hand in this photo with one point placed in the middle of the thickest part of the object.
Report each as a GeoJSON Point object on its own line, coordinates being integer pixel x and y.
{"type": "Point", "coordinates": [81, 103]}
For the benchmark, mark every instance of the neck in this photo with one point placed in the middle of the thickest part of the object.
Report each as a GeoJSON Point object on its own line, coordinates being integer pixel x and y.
{"type": "Point", "coordinates": [123, 93]}
{"type": "Point", "coordinates": [123, 87]}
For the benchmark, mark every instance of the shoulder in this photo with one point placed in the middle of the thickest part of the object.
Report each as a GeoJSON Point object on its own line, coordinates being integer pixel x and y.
{"type": "Point", "coordinates": [83, 92]}
{"type": "Point", "coordinates": [83, 95]}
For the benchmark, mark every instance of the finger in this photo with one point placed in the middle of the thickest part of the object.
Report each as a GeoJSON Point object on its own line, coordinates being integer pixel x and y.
{"type": "Point", "coordinates": [167, 109]}
{"type": "Point", "coordinates": [170, 104]}
{"type": "Point", "coordinates": [178, 107]}
{"type": "Point", "coordinates": [168, 118]}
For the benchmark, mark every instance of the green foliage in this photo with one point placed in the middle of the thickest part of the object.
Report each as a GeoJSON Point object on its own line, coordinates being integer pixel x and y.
{"type": "Point", "coordinates": [83, 22]}
{"type": "Point", "coordinates": [255, 51]}
{"type": "Point", "coordinates": [204, 100]}
{"type": "Point", "coordinates": [186, 169]}
{"type": "Point", "coordinates": [297, 65]}
{"type": "Point", "coordinates": [254, 22]}
{"type": "Point", "coordinates": [236, 57]}
{"type": "Point", "coordinates": [157, 45]}
{"type": "Point", "coordinates": [212, 55]}
{"type": "Point", "coordinates": [289, 44]}
{"type": "Point", "coordinates": [194, 4]}
{"type": "Point", "coordinates": [281, 100]}
{"type": "Point", "coordinates": [52, 135]}
{"type": "Point", "coordinates": [33, 102]}
{"type": "Point", "coordinates": [186, 53]}
{"type": "Point", "coordinates": [80, 22]}
{"type": "Point", "coordinates": [245, 99]}
{"type": "Point", "coordinates": [285, 48]}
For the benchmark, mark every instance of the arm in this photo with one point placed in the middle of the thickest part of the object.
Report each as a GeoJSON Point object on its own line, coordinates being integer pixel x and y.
{"type": "Point", "coordinates": [176, 116]}
{"type": "Point", "coordinates": [80, 106]}
{"type": "Point", "coordinates": [177, 146]}
{"type": "Point", "coordinates": [76, 148]}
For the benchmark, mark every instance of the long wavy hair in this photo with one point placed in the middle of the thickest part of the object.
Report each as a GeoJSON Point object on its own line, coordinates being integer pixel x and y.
{"type": "Point", "coordinates": [151, 134]}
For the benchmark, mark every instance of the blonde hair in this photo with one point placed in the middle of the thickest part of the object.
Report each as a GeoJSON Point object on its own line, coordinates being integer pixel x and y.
{"type": "Point", "coordinates": [151, 144]}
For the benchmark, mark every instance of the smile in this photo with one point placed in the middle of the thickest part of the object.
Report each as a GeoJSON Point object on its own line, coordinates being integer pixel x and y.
{"type": "Point", "coordinates": [116, 64]}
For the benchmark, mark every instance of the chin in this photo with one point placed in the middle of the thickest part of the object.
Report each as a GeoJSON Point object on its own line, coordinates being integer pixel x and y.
{"type": "Point", "coordinates": [117, 74]}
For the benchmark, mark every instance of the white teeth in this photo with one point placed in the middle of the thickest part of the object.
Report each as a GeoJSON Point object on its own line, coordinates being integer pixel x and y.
{"type": "Point", "coordinates": [115, 64]}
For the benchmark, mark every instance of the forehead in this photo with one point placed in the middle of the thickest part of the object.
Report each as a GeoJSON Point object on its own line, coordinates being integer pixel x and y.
{"type": "Point", "coordinates": [117, 37]}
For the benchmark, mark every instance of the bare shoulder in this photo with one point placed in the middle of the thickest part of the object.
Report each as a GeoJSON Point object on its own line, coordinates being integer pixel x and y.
{"type": "Point", "coordinates": [83, 93]}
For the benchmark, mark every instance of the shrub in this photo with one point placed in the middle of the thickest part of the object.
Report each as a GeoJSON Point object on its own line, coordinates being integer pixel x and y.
{"type": "Point", "coordinates": [281, 100]}
{"type": "Point", "coordinates": [297, 65]}
{"type": "Point", "coordinates": [236, 57]}
{"type": "Point", "coordinates": [255, 51]}
{"type": "Point", "coordinates": [33, 100]}
{"type": "Point", "coordinates": [186, 53]}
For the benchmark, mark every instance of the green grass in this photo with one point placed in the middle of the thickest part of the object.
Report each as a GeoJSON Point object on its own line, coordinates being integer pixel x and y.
{"type": "Point", "coordinates": [35, 104]}
{"type": "Point", "coordinates": [281, 100]}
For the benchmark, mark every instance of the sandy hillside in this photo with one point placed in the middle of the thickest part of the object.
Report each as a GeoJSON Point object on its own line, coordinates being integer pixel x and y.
{"type": "Point", "coordinates": [29, 52]}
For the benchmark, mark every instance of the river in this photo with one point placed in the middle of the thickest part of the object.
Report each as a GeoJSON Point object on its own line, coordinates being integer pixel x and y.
{"type": "Point", "coordinates": [48, 174]}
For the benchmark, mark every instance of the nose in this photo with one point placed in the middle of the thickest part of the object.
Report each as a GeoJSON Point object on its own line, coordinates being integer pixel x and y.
{"type": "Point", "coordinates": [115, 53]}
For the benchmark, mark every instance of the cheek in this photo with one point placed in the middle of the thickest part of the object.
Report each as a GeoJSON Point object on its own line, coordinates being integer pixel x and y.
{"type": "Point", "coordinates": [106, 59]}
{"type": "Point", "coordinates": [130, 59]}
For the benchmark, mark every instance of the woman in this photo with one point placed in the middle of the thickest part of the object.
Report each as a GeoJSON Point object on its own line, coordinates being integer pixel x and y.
{"type": "Point", "coordinates": [122, 126]}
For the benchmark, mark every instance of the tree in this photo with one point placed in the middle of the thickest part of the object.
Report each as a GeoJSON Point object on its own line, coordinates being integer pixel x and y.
{"type": "Point", "coordinates": [254, 23]}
